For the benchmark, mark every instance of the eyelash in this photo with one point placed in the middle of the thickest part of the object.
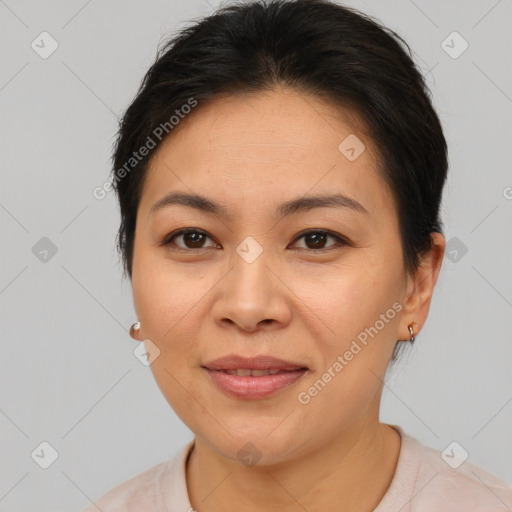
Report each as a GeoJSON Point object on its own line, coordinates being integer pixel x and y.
{"type": "Point", "coordinates": [340, 241]}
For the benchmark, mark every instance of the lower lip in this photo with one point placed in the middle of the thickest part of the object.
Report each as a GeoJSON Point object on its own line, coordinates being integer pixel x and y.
{"type": "Point", "coordinates": [251, 387]}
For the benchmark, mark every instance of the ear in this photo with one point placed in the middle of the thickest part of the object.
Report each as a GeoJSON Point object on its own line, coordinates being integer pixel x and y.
{"type": "Point", "coordinates": [420, 288]}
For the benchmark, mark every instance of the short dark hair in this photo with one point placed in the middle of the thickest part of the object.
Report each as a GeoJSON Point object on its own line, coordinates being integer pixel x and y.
{"type": "Point", "coordinates": [314, 46]}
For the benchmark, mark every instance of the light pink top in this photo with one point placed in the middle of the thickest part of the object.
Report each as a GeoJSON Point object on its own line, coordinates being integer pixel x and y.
{"type": "Point", "coordinates": [423, 482]}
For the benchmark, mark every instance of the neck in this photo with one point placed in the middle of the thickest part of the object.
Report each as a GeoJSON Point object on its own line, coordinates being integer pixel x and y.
{"type": "Point", "coordinates": [349, 473]}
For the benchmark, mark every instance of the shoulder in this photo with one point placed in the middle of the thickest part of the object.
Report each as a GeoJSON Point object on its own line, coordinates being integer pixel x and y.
{"type": "Point", "coordinates": [147, 491]}
{"type": "Point", "coordinates": [445, 482]}
{"type": "Point", "coordinates": [453, 482]}
{"type": "Point", "coordinates": [137, 492]}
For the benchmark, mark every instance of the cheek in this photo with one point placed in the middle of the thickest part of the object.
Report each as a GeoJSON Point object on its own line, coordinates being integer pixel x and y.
{"type": "Point", "coordinates": [362, 313]}
{"type": "Point", "coordinates": [172, 306]}
{"type": "Point", "coordinates": [356, 297]}
{"type": "Point", "coordinates": [165, 302]}
{"type": "Point", "coordinates": [162, 293]}
{"type": "Point", "coordinates": [361, 310]}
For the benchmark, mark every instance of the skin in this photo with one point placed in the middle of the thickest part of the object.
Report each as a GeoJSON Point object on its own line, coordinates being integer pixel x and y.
{"type": "Point", "coordinates": [199, 301]}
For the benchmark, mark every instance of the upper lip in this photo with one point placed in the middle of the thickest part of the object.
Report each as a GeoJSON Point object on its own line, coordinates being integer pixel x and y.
{"type": "Point", "coordinates": [236, 362]}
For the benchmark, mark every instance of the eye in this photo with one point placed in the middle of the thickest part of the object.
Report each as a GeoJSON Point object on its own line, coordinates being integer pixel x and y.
{"type": "Point", "coordinates": [192, 239]}
{"type": "Point", "coordinates": [315, 239]}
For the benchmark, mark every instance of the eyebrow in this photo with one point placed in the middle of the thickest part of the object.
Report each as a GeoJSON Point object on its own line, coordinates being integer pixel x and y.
{"type": "Point", "coordinates": [285, 209]}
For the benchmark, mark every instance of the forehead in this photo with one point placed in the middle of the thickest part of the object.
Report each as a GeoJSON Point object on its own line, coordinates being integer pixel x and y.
{"type": "Point", "coordinates": [283, 121]}
{"type": "Point", "coordinates": [273, 143]}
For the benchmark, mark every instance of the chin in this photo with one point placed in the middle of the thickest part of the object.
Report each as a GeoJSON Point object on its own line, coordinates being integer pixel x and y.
{"type": "Point", "coordinates": [254, 446]}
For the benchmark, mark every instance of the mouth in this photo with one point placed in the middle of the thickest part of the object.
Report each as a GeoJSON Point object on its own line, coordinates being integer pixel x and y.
{"type": "Point", "coordinates": [235, 362]}
{"type": "Point", "coordinates": [249, 384]}
{"type": "Point", "coordinates": [252, 378]}
{"type": "Point", "coordinates": [246, 372]}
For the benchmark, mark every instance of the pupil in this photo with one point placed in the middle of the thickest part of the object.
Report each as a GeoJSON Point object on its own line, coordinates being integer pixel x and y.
{"type": "Point", "coordinates": [195, 239]}
{"type": "Point", "coordinates": [317, 238]}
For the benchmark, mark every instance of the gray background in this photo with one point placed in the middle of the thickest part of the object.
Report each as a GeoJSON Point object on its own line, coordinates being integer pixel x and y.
{"type": "Point", "coordinates": [68, 375]}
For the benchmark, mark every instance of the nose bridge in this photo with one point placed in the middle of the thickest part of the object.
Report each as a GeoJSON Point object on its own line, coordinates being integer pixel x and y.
{"type": "Point", "coordinates": [250, 279]}
{"type": "Point", "coordinates": [251, 293]}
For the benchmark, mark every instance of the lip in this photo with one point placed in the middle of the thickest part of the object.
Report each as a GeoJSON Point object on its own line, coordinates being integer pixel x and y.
{"type": "Point", "coordinates": [234, 362]}
{"type": "Point", "coordinates": [252, 387]}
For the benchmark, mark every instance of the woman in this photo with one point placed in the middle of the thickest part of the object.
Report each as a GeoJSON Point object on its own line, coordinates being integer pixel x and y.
{"type": "Point", "coordinates": [279, 176]}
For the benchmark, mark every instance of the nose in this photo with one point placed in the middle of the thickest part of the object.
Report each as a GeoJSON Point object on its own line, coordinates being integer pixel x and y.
{"type": "Point", "coordinates": [252, 297]}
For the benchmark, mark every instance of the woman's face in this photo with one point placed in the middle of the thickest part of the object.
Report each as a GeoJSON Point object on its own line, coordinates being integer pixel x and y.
{"type": "Point", "coordinates": [245, 279]}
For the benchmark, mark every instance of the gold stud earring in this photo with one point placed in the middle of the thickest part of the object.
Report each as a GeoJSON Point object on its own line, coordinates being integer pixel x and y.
{"type": "Point", "coordinates": [134, 329]}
